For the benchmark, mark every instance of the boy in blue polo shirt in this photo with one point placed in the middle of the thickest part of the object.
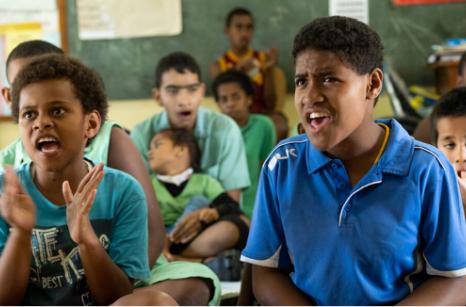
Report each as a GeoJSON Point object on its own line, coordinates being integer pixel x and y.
{"type": "Point", "coordinates": [449, 132]}
{"type": "Point", "coordinates": [353, 212]}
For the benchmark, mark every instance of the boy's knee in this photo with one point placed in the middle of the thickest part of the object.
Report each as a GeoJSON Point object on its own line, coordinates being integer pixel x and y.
{"type": "Point", "coordinates": [189, 291]}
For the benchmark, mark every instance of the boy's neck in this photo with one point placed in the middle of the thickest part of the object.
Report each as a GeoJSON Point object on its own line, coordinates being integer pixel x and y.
{"type": "Point", "coordinates": [242, 122]}
{"type": "Point", "coordinates": [359, 153]}
{"type": "Point", "coordinates": [50, 183]}
{"type": "Point", "coordinates": [240, 51]}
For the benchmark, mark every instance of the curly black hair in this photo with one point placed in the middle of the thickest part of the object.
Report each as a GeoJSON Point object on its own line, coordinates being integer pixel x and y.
{"type": "Point", "coordinates": [233, 76]}
{"type": "Point", "coordinates": [238, 11]}
{"type": "Point", "coordinates": [29, 49]}
{"type": "Point", "coordinates": [180, 62]}
{"type": "Point", "coordinates": [352, 41]}
{"type": "Point", "coordinates": [184, 137]}
{"type": "Point", "coordinates": [87, 83]}
{"type": "Point", "coordinates": [452, 104]}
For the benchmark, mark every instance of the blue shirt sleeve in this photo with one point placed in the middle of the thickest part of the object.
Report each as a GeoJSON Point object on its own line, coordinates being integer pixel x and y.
{"type": "Point", "coordinates": [266, 244]}
{"type": "Point", "coordinates": [129, 244]}
{"type": "Point", "coordinates": [443, 228]}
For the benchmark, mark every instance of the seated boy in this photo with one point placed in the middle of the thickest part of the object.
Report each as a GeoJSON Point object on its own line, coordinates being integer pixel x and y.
{"type": "Point", "coordinates": [423, 130]}
{"type": "Point", "coordinates": [449, 132]}
{"type": "Point", "coordinates": [354, 212]}
{"type": "Point", "coordinates": [71, 233]}
{"type": "Point", "coordinates": [180, 90]}
{"type": "Point", "coordinates": [106, 147]}
{"type": "Point", "coordinates": [261, 67]}
{"type": "Point", "coordinates": [234, 92]}
{"type": "Point", "coordinates": [201, 219]}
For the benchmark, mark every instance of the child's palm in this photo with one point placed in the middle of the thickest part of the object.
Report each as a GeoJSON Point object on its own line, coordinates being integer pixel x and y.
{"type": "Point", "coordinates": [79, 205]}
{"type": "Point", "coordinates": [16, 206]}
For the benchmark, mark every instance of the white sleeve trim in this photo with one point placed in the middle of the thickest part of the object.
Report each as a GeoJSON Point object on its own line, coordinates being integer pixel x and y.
{"type": "Point", "coordinates": [455, 273]}
{"type": "Point", "coordinates": [271, 262]}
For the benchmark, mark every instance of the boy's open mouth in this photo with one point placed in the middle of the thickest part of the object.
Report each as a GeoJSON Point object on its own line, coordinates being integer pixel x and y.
{"type": "Point", "coordinates": [318, 120]}
{"type": "Point", "coordinates": [185, 113]}
{"type": "Point", "coordinates": [47, 144]}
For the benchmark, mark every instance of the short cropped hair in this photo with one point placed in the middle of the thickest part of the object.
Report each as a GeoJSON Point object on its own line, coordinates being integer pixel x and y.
{"type": "Point", "coordinates": [184, 137]}
{"type": "Point", "coordinates": [29, 49]}
{"type": "Point", "coordinates": [179, 61]}
{"type": "Point", "coordinates": [233, 76]}
{"type": "Point", "coordinates": [452, 104]}
{"type": "Point", "coordinates": [88, 86]}
{"type": "Point", "coordinates": [238, 11]}
{"type": "Point", "coordinates": [354, 43]}
{"type": "Point", "coordinates": [462, 65]}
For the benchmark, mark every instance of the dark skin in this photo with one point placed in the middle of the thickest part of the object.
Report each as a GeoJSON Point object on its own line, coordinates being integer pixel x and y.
{"type": "Point", "coordinates": [279, 289]}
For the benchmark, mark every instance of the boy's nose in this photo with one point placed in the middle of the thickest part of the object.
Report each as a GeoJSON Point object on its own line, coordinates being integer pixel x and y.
{"type": "Point", "coordinates": [42, 122]}
{"type": "Point", "coordinates": [461, 155]}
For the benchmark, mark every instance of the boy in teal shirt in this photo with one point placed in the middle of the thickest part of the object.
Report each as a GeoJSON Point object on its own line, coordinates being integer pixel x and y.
{"type": "Point", "coordinates": [234, 92]}
{"type": "Point", "coordinates": [67, 236]}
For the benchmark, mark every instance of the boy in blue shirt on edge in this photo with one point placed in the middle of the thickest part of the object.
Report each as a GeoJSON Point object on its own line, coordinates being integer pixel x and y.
{"type": "Point", "coordinates": [353, 212]}
{"type": "Point", "coordinates": [71, 233]}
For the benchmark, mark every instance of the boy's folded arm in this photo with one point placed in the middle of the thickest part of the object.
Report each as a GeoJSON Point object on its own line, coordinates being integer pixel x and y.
{"type": "Point", "coordinates": [106, 280]}
{"type": "Point", "coordinates": [15, 262]}
{"type": "Point", "coordinates": [272, 287]}
{"type": "Point", "coordinates": [438, 291]}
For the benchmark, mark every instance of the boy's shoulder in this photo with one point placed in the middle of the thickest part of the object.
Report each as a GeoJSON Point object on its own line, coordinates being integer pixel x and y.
{"type": "Point", "coordinates": [214, 122]}
{"type": "Point", "coordinates": [404, 152]}
{"type": "Point", "coordinates": [259, 119]}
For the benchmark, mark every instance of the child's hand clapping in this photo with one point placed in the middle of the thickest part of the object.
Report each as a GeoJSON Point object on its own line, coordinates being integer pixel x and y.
{"type": "Point", "coordinates": [79, 205]}
{"type": "Point", "coordinates": [16, 206]}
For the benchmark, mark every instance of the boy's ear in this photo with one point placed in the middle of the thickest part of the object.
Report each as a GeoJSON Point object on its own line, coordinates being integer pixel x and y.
{"type": "Point", "coordinates": [374, 87]}
{"type": "Point", "coordinates": [156, 96]}
{"type": "Point", "coordinates": [93, 123]}
{"type": "Point", "coordinates": [203, 89]}
{"type": "Point", "coordinates": [6, 95]}
{"type": "Point", "coordinates": [249, 101]}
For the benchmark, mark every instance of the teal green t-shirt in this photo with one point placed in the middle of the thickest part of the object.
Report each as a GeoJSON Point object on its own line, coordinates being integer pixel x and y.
{"type": "Point", "coordinates": [198, 185]}
{"type": "Point", "coordinates": [259, 139]}
{"type": "Point", "coordinates": [219, 138]}
{"type": "Point", "coordinates": [118, 218]}
{"type": "Point", "coordinates": [15, 154]}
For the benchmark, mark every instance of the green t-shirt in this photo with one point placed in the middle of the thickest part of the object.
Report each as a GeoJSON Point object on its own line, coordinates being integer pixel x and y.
{"type": "Point", "coordinates": [219, 138]}
{"type": "Point", "coordinates": [15, 154]}
{"type": "Point", "coordinates": [259, 139]}
{"type": "Point", "coordinates": [172, 207]}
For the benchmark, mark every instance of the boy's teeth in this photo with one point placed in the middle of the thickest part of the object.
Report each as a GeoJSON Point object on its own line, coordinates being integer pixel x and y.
{"type": "Point", "coordinates": [317, 115]}
{"type": "Point", "coordinates": [47, 139]}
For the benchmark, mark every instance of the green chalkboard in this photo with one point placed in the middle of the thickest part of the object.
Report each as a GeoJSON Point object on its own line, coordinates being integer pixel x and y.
{"type": "Point", "coordinates": [127, 65]}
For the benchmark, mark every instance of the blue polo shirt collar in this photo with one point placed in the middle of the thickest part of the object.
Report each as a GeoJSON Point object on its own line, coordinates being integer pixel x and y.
{"type": "Point", "coordinates": [395, 160]}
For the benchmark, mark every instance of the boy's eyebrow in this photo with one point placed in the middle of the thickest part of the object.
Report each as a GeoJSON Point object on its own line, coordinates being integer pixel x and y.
{"type": "Point", "coordinates": [300, 75]}
{"type": "Point", "coordinates": [182, 86]}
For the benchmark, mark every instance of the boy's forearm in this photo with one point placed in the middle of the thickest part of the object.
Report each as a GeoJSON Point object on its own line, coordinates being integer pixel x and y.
{"type": "Point", "coordinates": [438, 291]}
{"type": "Point", "coordinates": [15, 263]}
{"type": "Point", "coordinates": [106, 280]}
{"type": "Point", "coordinates": [272, 287]}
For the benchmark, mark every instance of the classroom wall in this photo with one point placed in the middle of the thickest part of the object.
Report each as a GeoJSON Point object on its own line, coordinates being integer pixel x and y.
{"type": "Point", "coordinates": [127, 64]}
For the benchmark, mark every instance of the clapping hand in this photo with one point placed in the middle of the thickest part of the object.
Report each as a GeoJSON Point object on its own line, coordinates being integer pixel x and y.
{"type": "Point", "coordinates": [79, 204]}
{"type": "Point", "coordinates": [16, 206]}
